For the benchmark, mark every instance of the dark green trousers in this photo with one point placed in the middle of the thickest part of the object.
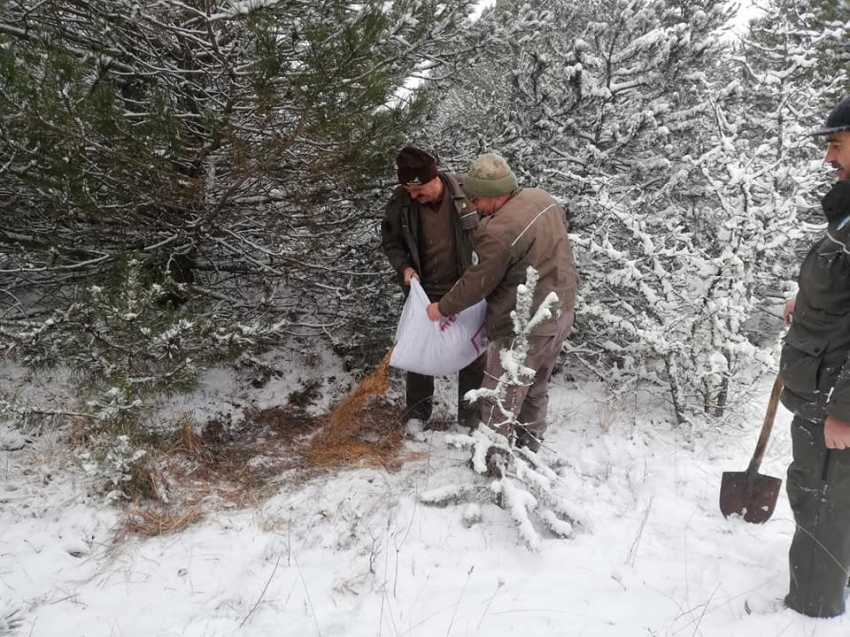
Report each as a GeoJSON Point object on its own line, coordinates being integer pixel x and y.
{"type": "Point", "coordinates": [819, 493]}
{"type": "Point", "coordinates": [420, 393]}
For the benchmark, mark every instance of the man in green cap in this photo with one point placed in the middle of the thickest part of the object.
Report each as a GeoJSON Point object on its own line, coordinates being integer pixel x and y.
{"type": "Point", "coordinates": [521, 227]}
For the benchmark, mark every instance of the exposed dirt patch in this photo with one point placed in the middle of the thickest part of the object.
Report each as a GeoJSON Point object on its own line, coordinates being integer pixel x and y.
{"type": "Point", "coordinates": [223, 465]}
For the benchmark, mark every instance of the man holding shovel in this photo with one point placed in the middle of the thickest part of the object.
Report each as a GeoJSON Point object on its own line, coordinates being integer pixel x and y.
{"type": "Point", "coordinates": [816, 371]}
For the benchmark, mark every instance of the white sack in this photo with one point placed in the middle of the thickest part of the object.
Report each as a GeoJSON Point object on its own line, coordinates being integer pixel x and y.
{"type": "Point", "coordinates": [437, 348]}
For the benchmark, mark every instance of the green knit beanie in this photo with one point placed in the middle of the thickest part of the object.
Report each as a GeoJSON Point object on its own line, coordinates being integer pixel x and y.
{"type": "Point", "coordinates": [489, 176]}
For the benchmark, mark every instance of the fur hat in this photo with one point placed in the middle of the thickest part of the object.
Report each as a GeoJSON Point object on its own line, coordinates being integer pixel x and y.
{"type": "Point", "coordinates": [838, 119]}
{"type": "Point", "coordinates": [489, 176]}
{"type": "Point", "coordinates": [415, 167]}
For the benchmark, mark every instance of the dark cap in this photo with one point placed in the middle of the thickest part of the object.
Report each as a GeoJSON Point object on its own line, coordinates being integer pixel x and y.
{"type": "Point", "coordinates": [415, 167]}
{"type": "Point", "coordinates": [838, 119]}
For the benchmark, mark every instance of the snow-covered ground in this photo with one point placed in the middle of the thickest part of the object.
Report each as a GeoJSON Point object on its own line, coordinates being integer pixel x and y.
{"type": "Point", "coordinates": [356, 553]}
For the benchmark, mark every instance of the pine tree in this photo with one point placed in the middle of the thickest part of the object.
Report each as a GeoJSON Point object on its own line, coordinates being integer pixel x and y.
{"type": "Point", "coordinates": [604, 106]}
{"type": "Point", "coordinates": [753, 183]}
{"type": "Point", "coordinates": [231, 149]}
{"type": "Point", "coordinates": [183, 182]}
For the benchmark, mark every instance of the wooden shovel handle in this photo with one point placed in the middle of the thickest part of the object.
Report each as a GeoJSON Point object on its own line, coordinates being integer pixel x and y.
{"type": "Point", "coordinates": [766, 428]}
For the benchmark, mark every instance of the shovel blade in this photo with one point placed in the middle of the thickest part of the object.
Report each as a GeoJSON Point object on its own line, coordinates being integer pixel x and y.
{"type": "Point", "coordinates": [750, 495]}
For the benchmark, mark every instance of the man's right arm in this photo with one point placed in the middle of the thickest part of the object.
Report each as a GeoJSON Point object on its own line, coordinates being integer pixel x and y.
{"type": "Point", "coordinates": [392, 239]}
{"type": "Point", "coordinates": [479, 280]}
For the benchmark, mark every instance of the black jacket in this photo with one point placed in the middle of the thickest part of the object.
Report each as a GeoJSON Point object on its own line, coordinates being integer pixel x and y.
{"type": "Point", "coordinates": [814, 363]}
{"type": "Point", "coordinates": [400, 227]}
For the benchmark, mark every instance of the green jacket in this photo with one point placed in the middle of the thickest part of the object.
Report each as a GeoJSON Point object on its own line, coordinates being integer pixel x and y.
{"type": "Point", "coordinates": [814, 362]}
{"type": "Point", "coordinates": [400, 227]}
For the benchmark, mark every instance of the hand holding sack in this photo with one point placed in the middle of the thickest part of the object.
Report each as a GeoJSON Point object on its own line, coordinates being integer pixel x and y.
{"type": "Point", "coordinates": [437, 348]}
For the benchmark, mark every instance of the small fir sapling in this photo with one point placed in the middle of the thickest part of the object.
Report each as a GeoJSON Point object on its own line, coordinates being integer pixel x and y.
{"type": "Point", "coordinates": [517, 479]}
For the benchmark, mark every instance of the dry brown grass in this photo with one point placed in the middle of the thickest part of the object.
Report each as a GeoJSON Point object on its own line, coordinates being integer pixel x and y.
{"type": "Point", "coordinates": [217, 468]}
{"type": "Point", "coordinates": [190, 442]}
{"type": "Point", "coordinates": [229, 467]}
{"type": "Point", "coordinates": [148, 522]}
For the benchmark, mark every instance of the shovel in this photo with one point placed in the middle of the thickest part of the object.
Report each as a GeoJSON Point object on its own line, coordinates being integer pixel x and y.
{"type": "Point", "coordinates": [749, 493]}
